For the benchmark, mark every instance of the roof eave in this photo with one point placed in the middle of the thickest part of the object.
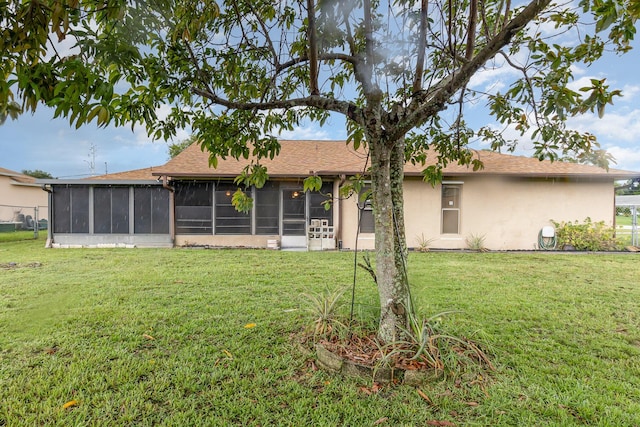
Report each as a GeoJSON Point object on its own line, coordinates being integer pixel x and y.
{"type": "Point", "coordinates": [97, 182]}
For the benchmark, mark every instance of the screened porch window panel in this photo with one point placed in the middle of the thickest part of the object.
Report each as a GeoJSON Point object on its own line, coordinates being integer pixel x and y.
{"type": "Point", "coordinates": [194, 208]}
{"type": "Point", "coordinates": [80, 209]}
{"type": "Point", "coordinates": [111, 210]}
{"type": "Point", "coordinates": [159, 211]}
{"type": "Point", "coordinates": [267, 209]}
{"type": "Point", "coordinates": [228, 220]}
{"type": "Point", "coordinates": [62, 209]}
{"type": "Point", "coordinates": [151, 211]}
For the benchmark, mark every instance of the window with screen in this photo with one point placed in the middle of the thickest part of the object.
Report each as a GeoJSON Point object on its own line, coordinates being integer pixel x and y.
{"type": "Point", "coordinates": [150, 210]}
{"type": "Point", "coordinates": [111, 210]}
{"type": "Point", "coordinates": [194, 207]}
{"type": "Point", "coordinates": [316, 203]}
{"type": "Point", "coordinates": [267, 209]}
{"type": "Point", "coordinates": [71, 209]}
{"type": "Point", "coordinates": [451, 209]}
{"type": "Point", "coordinates": [365, 209]}
{"type": "Point", "coordinates": [228, 219]}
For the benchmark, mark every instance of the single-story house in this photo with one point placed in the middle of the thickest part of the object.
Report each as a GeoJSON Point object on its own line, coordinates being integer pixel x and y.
{"type": "Point", "coordinates": [187, 202]}
{"type": "Point", "coordinates": [22, 201]}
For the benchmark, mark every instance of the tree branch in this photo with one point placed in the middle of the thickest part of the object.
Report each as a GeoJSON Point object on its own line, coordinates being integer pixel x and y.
{"type": "Point", "coordinates": [422, 46]}
{"type": "Point", "coordinates": [267, 37]}
{"type": "Point", "coordinates": [364, 69]}
{"type": "Point", "coordinates": [523, 70]}
{"type": "Point", "coordinates": [321, 57]}
{"type": "Point", "coordinates": [471, 29]}
{"type": "Point", "coordinates": [313, 48]}
{"type": "Point", "coordinates": [349, 109]}
{"type": "Point", "coordinates": [427, 103]}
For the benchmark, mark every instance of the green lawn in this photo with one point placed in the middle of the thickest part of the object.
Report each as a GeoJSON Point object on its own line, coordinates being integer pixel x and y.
{"type": "Point", "coordinates": [15, 236]}
{"type": "Point", "coordinates": [623, 220]}
{"type": "Point", "coordinates": [158, 337]}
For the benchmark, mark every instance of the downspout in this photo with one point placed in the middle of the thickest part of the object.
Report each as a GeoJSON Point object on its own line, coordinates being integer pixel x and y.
{"type": "Point", "coordinates": [172, 203]}
{"type": "Point", "coordinates": [49, 242]}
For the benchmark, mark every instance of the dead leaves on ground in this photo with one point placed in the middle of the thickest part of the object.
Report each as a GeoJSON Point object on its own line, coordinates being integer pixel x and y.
{"type": "Point", "coordinates": [442, 423]}
{"type": "Point", "coordinates": [375, 388]}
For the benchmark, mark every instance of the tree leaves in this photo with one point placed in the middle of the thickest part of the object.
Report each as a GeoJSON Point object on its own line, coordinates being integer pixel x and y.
{"type": "Point", "coordinates": [237, 74]}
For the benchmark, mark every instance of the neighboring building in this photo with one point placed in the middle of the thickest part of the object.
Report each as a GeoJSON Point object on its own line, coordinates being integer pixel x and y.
{"type": "Point", "coordinates": [185, 202]}
{"type": "Point", "coordinates": [21, 199]}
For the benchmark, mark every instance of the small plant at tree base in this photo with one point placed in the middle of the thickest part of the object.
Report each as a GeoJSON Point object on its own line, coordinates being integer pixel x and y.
{"type": "Point", "coordinates": [475, 242]}
{"type": "Point", "coordinates": [441, 351]}
{"type": "Point", "coordinates": [324, 309]}
{"type": "Point", "coordinates": [586, 236]}
{"type": "Point", "coordinates": [424, 243]}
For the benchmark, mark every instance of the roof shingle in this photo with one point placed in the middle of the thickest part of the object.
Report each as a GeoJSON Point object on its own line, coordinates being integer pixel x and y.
{"type": "Point", "coordinates": [328, 158]}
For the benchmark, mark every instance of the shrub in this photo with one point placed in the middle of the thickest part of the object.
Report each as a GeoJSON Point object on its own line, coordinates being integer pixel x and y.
{"type": "Point", "coordinates": [475, 242]}
{"type": "Point", "coordinates": [586, 236]}
{"type": "Point", "coordinates": [424, 243]}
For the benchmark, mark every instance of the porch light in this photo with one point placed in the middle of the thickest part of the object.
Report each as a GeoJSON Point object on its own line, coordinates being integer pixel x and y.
{"type": "Point", "coordinates": [295, 194]}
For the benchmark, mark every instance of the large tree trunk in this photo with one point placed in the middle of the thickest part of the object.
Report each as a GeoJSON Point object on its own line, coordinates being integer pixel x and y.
{"type": "Point", "coordinates": [387, 170]}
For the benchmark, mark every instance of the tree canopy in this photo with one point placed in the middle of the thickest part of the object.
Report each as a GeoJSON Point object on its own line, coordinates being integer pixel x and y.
{"type": "Point", "coordinates": [178, 147]}
{"type": "Point", "coordinates": [37, 173]}
{"type": "Point", "coordinates": [239, 72]}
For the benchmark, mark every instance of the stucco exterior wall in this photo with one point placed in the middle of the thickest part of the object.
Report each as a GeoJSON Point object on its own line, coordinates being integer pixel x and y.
{"type": "Point", "coordinates": [508, 212]}
{"type": "Point", "coordinates": [15, 194]}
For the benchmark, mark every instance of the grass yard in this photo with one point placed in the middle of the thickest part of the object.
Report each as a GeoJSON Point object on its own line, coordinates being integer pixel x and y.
{"type": "Point", "coordinates": [623, 220]}
{"type": "Point", "coordinates": [15, 236]}
{"type": "Point", "coordinates": [160, 337]}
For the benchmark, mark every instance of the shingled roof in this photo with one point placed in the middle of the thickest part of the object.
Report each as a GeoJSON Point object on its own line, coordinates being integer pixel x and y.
{"type": "Point", "coordinates": [18, 178]}
{"type": "Point", "coordinates": [330, 158]}
{"type": "Point", "coordinates": [144, 174]}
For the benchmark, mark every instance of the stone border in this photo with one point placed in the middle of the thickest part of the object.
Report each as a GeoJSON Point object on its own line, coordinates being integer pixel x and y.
{"type": "Point", "coordinates": [332, 362]}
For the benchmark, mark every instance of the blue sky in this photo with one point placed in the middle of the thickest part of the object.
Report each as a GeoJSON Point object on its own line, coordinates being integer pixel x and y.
{"type": "Point", "coordinates": [40, 142]}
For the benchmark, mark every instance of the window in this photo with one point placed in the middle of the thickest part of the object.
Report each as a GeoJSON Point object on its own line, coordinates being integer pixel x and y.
{"type": "Point", "coordinates": [365, 209]}
{"type": "Point", "coordinates": [71, 209]}
{"type": "Point", "coordinates": [194, 207]}
{"type": "Point", "coordinates": [316, 204]}
{"type": "Point", "coordinates": [267, 209]}
{"type": "Point", "coordinates": [150, 210]}
{"type": "Point", "coordinates": [451, 209]}
{"type": "Point", "coordinates": [228, 219]}
{"type": "Point", "coordinates": [111, 210]}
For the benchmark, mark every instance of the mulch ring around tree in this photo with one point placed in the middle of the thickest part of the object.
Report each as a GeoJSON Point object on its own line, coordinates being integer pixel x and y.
{"type": "Point", "coordinates": [364, 357]}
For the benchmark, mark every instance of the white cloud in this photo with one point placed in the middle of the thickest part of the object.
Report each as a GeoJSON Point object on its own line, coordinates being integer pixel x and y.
{"type": "Point", "coordinates": [306, 132]}
{"type": "Point", "coordinates": [626, 158]}
{"type": "Point", "coordinates": [584, 81]}
{"type": "Point", "coordinates": [163, 111]}
{"type": "Point", "coordinates": [629, 93]}
{"type": "Point", "coordinates": [614, 127]}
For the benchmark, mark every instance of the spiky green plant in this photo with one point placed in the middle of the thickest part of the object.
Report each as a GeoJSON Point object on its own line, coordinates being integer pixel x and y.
{"type": "Point", "coordinates": [324, 308]}
{"type": "Point", "coordinates": [476, 242]}
{"type": "Point", "coordinates": [424, 243]}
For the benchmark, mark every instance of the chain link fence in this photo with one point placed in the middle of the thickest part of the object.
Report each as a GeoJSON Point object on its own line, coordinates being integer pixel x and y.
{"type": "Point", "coordinates": [627, 223]}
{"type": "Point", "coordinates": [23, 218]}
